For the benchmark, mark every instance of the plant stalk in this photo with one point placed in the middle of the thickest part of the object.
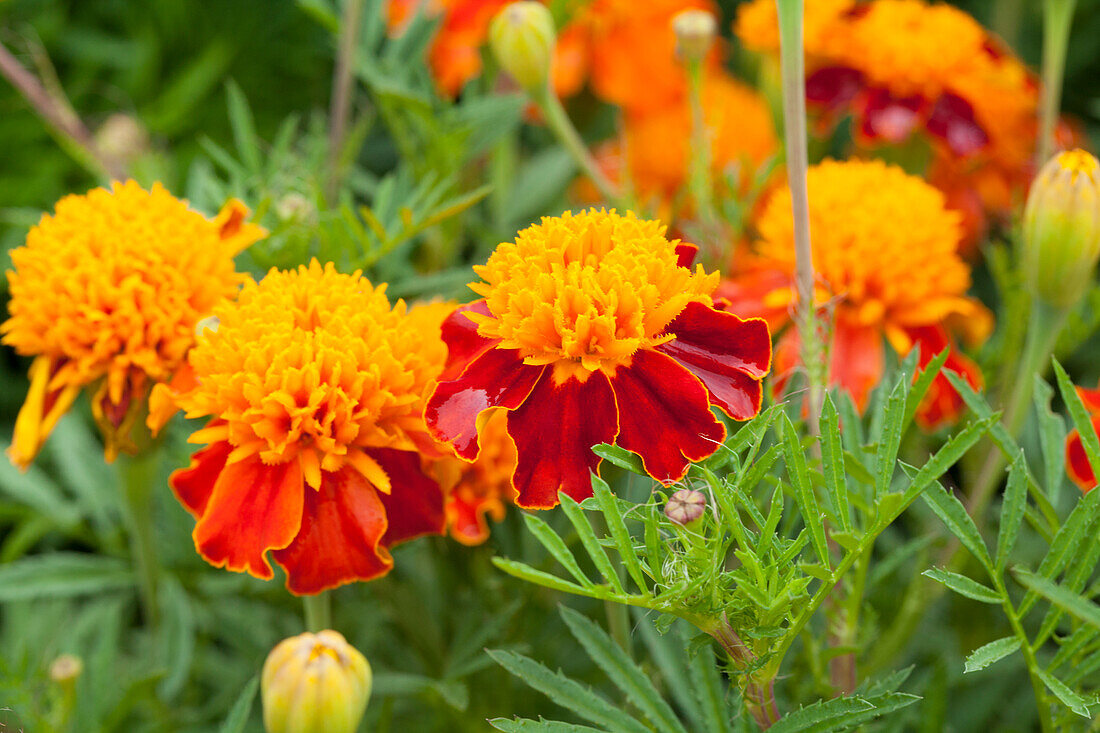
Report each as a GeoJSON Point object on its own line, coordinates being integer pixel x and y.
{"type": "Point", "coordinates": [318, 612]}
{"type": "Point", "coordinates": [759, 694]}
{"type": "Point", "coordinates": [699, 164]}
{"type": "Point", "coordinates": [138, 475]}
{"type": "Point", "coordinates": [340, 105]}
{"type": "Point", "coordinates": [1057, 15]}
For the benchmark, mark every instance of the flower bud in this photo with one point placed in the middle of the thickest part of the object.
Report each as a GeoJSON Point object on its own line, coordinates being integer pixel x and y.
{"type": "Point", "coordinates": [315, 683]}
{"type": "Point", "coordinates": [1061, 237]}
{"type": "Point", "coordinates": [686, 506]}
{"type": "Point", "coordinates": [65, 669]}
{"type": "Point", "coordinates": [522, 38]}
{"type": "Point", "coordinates": [695, 31]}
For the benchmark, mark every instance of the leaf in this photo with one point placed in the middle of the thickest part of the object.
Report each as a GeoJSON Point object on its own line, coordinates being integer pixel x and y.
{"type": "Point", "coordinates": [591, 545]}
{"type": "Point", "coordinates": [565, 692]}
{"type": "Point", "coordinates": [242, 709]}
{"type": "Point", "coordinates": [807, 502]}
{"type": "Point", "coordinates": [923, 383]}
{"type": "Point", "coordinates": [1052, 440]}
{"type": "Point", "coordinates": [963, 585]}
{"type": "Point", "coordinates": [840, 713]}
{"type": "Point", "coordinates": [952, 513]}
{"type": "Point", "coordinates": [612, 659]}
{"type": "Point", "coordinates": [1077, 606]}
{"type": "Point", "coordinates": [1012, 512]}
{"type": "Point", "coordinates": [832, 461]}
{"type": "Point", "coordinates": [177, 636]}
{"type": "Point", "coordinates": [538, 577]}
{"type": "Point", "coordinates": [1080, 417]}
{"type": "Point", "coordinates": [613, 515]}
{"type": "Point", "coordinates": [62, 574]}
{"type": "Point", "coordinates": [890, 440]}
{"type": "Point", "coordinates": [992, 652]}
{"type": "Point", "coordinates": [707, 685]}
{"type": "Point", "coordinates": [36, 490]}
{"type": "Point", "coordinates": [1065, 543]}
{"type": "Point", "coordinates": [1068, 697]}
{"type": "Point", "coordinates": [244, 129]}
{"type": "Point", "coordinates": [945, 457]}
{"type": "Point", "coordinates": [620, 457]}
{"type": "Point", "coordinates": [556, 547]}
{"type": "Point", "coordinates": [526, 725]}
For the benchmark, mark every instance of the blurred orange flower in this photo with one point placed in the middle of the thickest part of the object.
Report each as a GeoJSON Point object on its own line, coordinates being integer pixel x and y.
{"type": "Point", "coordinates": [107, 292]}
{"type": "Point", "coordinates": [885, 253]}
{"type": "Point", "coordinates": [313, 386]}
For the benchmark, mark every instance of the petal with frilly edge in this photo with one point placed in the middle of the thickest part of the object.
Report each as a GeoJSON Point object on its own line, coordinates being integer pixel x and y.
{"type": "Point", "coordinates": [340, 541]}
{"type": "Point", "coordinates": [464, 343]}
{"type": "Point", "coordinates": [554, 431]}
{"type": "Point", "coordinates": [414, 505]}
{"type": "Point", "coordinates": [664, 415]}
{"type": "Point", "coordinates": [1077, 463]}
{"type": "Point", "coordinates": [194, 485]}
{"type": "Point", "coordinates": [729, 355]}
{"type": "Point", "coordinates": [497, 378]}
{"type": "Point", "coordinates": [253, 508]}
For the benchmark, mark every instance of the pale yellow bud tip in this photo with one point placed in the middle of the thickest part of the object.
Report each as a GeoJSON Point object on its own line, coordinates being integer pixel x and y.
{"type": "Point", "coordinates": [695, 31]}
{"type": "Point", "coordinates": [66, 668]}
{"type": "Point", "coordinates": [522, 38]}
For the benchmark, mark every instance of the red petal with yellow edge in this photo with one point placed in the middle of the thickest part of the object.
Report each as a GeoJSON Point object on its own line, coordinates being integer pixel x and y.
{"type": "Point", "coordinates": [664, 415]}
{"type": "Point", "coordinates": [554, 431]}
{"type": "Point", "coordinates": [340, 540]}
{"type": "Point", "coordinates": [497, 378]}
{"type": "Point", "coordinates": [194, 485]}
{"type": "Point", "coordinates": [253, 508]}
{"type": "Point", "coordinates": [414, 505]}
{"type": "Point", "coordinates": [730, 356]}
{"type": "Point", "coordinates": [942, 405]}
{"type": "Point", "coordinates": [857, 360]}
{"type": "Point", "coordinates": [1077, 463]}
{"type": "Point", "coordinates": [464, 344]}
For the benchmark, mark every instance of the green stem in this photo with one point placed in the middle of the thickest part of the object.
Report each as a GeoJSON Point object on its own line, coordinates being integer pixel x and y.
{"type": "Point", "coordinates": [842, 668]}
{"type": "Point", "coordinates": [700, 160]}
{"type": "Point", "coordinates": [1037, 686]}
{"type": "Point", "coordinates": [138, 475]}
{"type": "Point", "coordinates": [792, 66]}
{"type": "Point", "coordinates": [1057, 15]}
{"type": "Point", "coordinates": [560, 124]}
{"type": "Point", "coordinates": [318, 610]}
{"type": "Point", "coordinates": [340, 105]}
{"type": "Point", "coordinates": [618, 623]}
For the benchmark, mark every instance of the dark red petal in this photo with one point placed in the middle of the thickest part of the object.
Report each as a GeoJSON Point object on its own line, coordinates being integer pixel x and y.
{"type": "Point", "coordinates": [194, 485]}
{"type": "Point", "coordinates": [464, 344]}
{"type": "Point", "coordinates": [833, 87]}
{"type": "Point", "coordinates": [414, 505]}
{"type": "Point", "coordinates": [254, 508]}
{"type": "Point", "coordinates": [952, 119]}
{"type": "Point", "coordinates": [685, 253]}
{"type": "Point", "coordinates": [497, 378]}
{"type": "Point", "coordinates": [857, 360]}
{"type": "Point", "coordinates": [340, 540]}
{"type": "Point", "coordinates": [554, 431]}
{"type": "Point", "coordinates": [664, 415]}
{"type": "Point", "coordinates": [1077, 463]}
{"type": "Point", "coordinates": [887, 117]}
{"type": "Point", "coordinates": [728, 354]}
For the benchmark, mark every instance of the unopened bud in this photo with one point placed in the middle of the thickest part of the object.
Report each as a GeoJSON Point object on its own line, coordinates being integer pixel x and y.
{"type": "Point", "coordinates": [685, 506]}
{"type": "Point", "coordinates": [66, 668]}
{"type": "Point", "coordinates": [122, 138]}
{"type": "Point", "coordinates": [315, 683]}
{"type": "Point", "coordinates": [295, 207]}
{"type": "Point", "coordinates": [695, 31]}
{"type": "Point", "coordinates": [522, 38]}
{"type": "Point", "coordinates": [1061, 235]}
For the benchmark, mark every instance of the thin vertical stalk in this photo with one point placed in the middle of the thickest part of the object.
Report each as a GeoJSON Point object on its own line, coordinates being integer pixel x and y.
{"type": "Point", "coordinates": [702, 187]}
{"type": "Point", "coordinates": [792, 66]}
{"type": "Point", "coordinates": [340, 105]}
{"type": "Point", "coordinates": [1057, 15]}
{"type": "Point", "coordinates": [138, 475]}
{"type": "Point", "coordinates": [318, 612]}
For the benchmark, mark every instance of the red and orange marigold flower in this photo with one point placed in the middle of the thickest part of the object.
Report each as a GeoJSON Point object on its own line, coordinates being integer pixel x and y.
{"type": "Point", "coordinates": [1077, 463]}
{"type": "Point", "coordinates": [313, 390]}
{"type": "Point", "coordinates": [106, 293]}
{"type": "Point", "coordinates": [592, 331]}
{"type": "Point", "coordinates": [885, 254]}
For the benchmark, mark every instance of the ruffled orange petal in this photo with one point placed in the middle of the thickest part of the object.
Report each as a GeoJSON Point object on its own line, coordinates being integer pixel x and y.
{"type": "Point", "coordinates": [194, 485]}
{"type": "Point", "coordinates": [162, 398]}
{"type": "Point", "coordinates": [41, 410]}
{"type": "Point", "coordinates": [235, 231]}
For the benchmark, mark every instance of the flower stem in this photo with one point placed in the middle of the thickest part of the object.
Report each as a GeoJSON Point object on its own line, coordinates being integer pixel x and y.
{"type": "Point", "coordinates": [1057, 15]}
{"type": "Point", "coordinates": [138, 475]}
{"type": "Point", "coordinates": [340, 104]}
{"type": "Point", "coordinates": [792, 66]}
{"type": "Point", "coordinates": [318, 611]}
{"type": "Point", "coordinates": [702, 190]}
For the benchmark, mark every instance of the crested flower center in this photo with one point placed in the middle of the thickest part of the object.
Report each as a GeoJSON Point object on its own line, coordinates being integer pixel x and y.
{"type": "Point", "coordinates": [585, 291]}
{"type": "Point", "coordinates": [884, 243]}
{"type": "Point", "coordinates": [1079, 163]}
{"type": "Point", "coordinates": [310, 364]}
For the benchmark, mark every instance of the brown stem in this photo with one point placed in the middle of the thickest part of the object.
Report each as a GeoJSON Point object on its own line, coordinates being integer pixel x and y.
{"type": "Point", "coordinates": [58, 113]}
{"type": "Point", "coordinates": [341, 92]}
{"type": "Point", "coordinates": [759, 695]}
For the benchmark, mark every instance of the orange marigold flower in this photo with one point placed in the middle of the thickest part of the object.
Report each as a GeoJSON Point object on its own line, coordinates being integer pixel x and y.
{"type": "Point", "coordinates": [313, 386]}
{"type": "Point", "coordinates": [885, 253]}
{"type": "Point", "coordinates": [107, 292]}
{"type": "Point", "coordinates": [757, 25]}
{"type": "Point", "coordinates": [1077, 463]}
{"type": "Point", "coordinates": [592, 331]}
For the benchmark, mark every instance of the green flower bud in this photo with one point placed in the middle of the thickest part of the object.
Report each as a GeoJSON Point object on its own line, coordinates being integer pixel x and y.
{"type": "Point", "coordinates": [522, 38]}
{"type": "Point", "coordinates": [695, 31]}
{"type": "Point", "coordinates": [315, 683]}
{"type": "Point", "coordinates": [1062, 228]}
{"type": "Point", "coordinates": [686, 506]}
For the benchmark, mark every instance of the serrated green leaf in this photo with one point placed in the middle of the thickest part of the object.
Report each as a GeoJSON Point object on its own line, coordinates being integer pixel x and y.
{"type": "Point", "coordinates": [945, 457]}
{"type": "Point", "coordinates": [953, 514]}
{"type": "Point", "coordinates": [592, 546]}
{"type": "Point", "coordinates": [992, 652]}
{"type": "Point", "coordinates": [61, 575]}
{"type": "Point", "coordinates": [566, 692]}
{"type": "Point", "coordinates": [832, 460]}
{"type": "Point", "coordinates": [612, 659]}
{"type": "Point", "coordinates": [555, 545]}
{"type": "Point", "coordinates": [890, 440]}
{"type": "Point", "coordinates": [1052, 440]}
{"type": "Point", "coordinates": [923, 383]}
{"type": "Point", "coordinates": [620, 457]}
{"type": "Point", "coordinates": [1080, 608]}
{"type": "Point", "coordinates": [526, 725]}
{"type": "Point", "coordinates": [1068, 697]}
{"type": "Point", "coordinates": [963, 585]}
{"type": "Point", "coordinates": [1066, 541]}
{"type": "Point", "coordinates": [238, 716]}
{"type": "Point", "coordinates": [804, 494]}
{"type": "Point", "coordinates": [1012, 512]}
{"type": "Point", "coordinates": [609, 504]}
{"type": "Point", "coordinates": [1080, 417]}
{"type": "Point", "coordinates": [840, 713]}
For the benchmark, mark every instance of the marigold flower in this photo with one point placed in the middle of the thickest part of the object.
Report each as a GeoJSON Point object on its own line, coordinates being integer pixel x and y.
{"type": "Point", "coordinates": [314, 388]}
{"type": "Point", "coordinates": [591, 331]}
{"type": "Point", "coordinates": [757, 25]}
{"type": "Point", "coordinates": [1077, 463]}
{"type": "Point", "coordinates": [885, 253]}
{"type": "Point", "coordinates": [107, 292]}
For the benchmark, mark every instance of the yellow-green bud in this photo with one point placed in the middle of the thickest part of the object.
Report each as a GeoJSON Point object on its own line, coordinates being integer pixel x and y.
{"type": "Point", "coordinates": [695, 31]}
{"type": "Point", "coordinates": [1062, 228]}
{"type": "Point", "coordinates": [522, 38]}
{"type": "Point", "coordinates": [315, 683]}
